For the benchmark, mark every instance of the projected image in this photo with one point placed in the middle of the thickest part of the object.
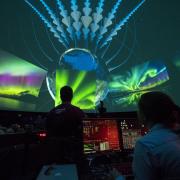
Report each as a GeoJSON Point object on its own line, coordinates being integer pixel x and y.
{"type": "Point", "coordinates": [110, 51]}
{"type": "Point", "coordinates": [78, 59]}
{"type": "Point", "coordinates": [130, 137]}
{"type": "Point", "coordinates": [128, 87]}
{"type": "Point", "coordinates": [100, 135]}
{"type": "Point", "coordinates": [85, 38]}
{"type": "Point", "coordinates": [20, 83]}
{"type": "Point", "coordinates": [130, 132]}
{"type": "Point", "coordinates": [83, 84]}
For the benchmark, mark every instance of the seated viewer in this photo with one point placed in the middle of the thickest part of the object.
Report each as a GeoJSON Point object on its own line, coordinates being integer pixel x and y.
{"type": "Point", "coordinates": [157, 154]}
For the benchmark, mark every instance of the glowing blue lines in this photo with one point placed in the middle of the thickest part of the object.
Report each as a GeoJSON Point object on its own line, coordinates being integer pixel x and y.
{"type": "Point", "coordinates": [71, 28]}
{"type": "Point", "coordinates": [120, 24]}
{"type": "Point", "coordinates": [86, 28]}
{"type": "Point", "coordinates": [108, 20]}
{"type": "Point", "coordinates": [97, 17]}
{"type": "Point", "coordinates": [86, 19]}
{"type": "Point", "coordinates": [66, 20]}
{"type": "Point", "coordinates": [55, 20]}
{"type": "Point", "coordinates": [76, 17]}
{"type": "Point", "coordinates": [48, 24]}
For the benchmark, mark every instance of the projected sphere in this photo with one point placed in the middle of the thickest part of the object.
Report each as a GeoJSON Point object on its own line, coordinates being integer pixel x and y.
{"type": "Point", "coordinates": [84, 56]}
{"type": "Point", "coordinates": [80, 60]}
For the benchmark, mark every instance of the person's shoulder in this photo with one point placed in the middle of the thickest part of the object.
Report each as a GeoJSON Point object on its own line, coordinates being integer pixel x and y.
{"type": "Point", "coordinates": [78, 110]}
{"type": "Point", "coordinates": [157, 138]}
{"type": "Point", "coordinates": [75, 107]}
{"type": "Point", "coordinates": [58, 109]}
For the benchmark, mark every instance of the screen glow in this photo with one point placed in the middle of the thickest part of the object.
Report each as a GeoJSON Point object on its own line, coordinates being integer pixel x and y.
{"type": "Point", "coordinates": [83, 84]}
{"type": "Point", "coordinates": [110, 51]}
{"type": "Point", "coordinates": [20, 82]}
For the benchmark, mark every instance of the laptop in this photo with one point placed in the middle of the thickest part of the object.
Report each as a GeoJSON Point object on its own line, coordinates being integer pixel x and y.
{"type": "Point", "coordinates": [58, 172]}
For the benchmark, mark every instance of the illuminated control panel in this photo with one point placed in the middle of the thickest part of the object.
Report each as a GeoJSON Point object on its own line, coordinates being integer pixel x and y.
{"type": "Point", "coordinates": [100, 135]}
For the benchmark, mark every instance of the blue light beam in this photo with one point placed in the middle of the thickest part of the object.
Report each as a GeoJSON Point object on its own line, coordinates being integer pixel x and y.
{"type": "Point", "coordinates": [48, 24]}
{"type": "Point", "coordinates": [66, 19]}
{"type": "Point", "coordinates": [97, 17]}
{"type": "Point", "coordinates": [120, 25]}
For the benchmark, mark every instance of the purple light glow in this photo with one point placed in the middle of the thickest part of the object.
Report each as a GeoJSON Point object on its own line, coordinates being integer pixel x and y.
{"type": "Point", "coordinates": [28, 80]}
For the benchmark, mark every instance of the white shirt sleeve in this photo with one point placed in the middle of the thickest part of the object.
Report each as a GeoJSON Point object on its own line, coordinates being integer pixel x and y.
{"type": "Point", "coordinates": [143, 168]}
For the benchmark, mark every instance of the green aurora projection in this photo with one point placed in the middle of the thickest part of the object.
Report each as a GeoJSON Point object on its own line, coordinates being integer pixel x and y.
{"type": "Point", "coordinates": [20, 82]}
{"type": "Point", "coordinates": [140, 79]}
{"type": "Point", "coordinates": [151, 34]}
{"type": "Point", "coordinates": [83, 84]}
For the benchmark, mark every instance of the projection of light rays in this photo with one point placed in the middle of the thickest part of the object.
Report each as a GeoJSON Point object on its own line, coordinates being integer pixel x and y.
{"type": "Point", "coordinates": [128, 99]}
{"type": "Point", "coordinates": [83, 84]}
{"type": "Point", "coordinates": [126, 88]}
{"type": "Point", "coordinates": [91, 24]}
{"type": "Point", "coordinates": [108, 21]}
{"type": "Point", "coordinates": [120, 25]}
{"type": "Point", "coordinates": [54, 29]}
{"type": "Point", "coordinates": [19, 81]}
{"type": "Point", "coordinates": [84, 28]}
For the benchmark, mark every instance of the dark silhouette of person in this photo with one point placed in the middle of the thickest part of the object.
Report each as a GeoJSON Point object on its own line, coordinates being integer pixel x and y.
{"type": "Point", "coordinates": [65, 123]}
{"type": "Point", "coordinates": [65, 114]}
{"type": "Point", "coordinates": [101, 108]}
{"type": "Point", "coordinates": [157, 154]}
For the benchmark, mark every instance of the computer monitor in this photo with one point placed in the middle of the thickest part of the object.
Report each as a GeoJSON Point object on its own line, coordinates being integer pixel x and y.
{"type": "Point", "coordinates": [100, 135]}
{"type": "Point", "coordinates": [130, 132]}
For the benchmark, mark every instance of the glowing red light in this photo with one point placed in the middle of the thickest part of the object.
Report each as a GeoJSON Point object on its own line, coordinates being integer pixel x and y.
{"type": "Point", "coordinates": [42, 134]}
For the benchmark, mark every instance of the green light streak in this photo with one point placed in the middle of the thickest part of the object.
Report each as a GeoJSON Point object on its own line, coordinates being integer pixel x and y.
{"type": "Point", "coordinates": [63, 79]}
{"type": "Point", "coordinates": [150, 73]}
{"type": "Point", "coordinates": [78, 80]}
{"type": "Point", "coordinates": [131, 81]}
{"type": "Point", "coordinates": [84, 93]}
{"type": "Point", "coordinates": [83, 84]}
{"type": "Point", "coordinates": [17, 90]}
{"type": "Point", "coordinates": [137, 81]}
{"type": "Point", "coordinates": [130, 99]}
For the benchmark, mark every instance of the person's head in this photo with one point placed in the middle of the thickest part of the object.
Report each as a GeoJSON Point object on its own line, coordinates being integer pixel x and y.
{"type": "Point", "coordinates": [66, 94]}
{"type": "Point", "coordinates": [157, 107]}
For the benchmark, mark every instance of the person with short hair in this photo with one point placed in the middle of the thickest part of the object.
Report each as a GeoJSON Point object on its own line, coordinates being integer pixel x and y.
{"type": "Point", "coordinates": [65, 114]}
{"type": "Point", "coordinates": [157, 154]}
{"type": "Point", "coordinates": [65, 123]}
{"type": "Point", "coordinates": [66, 94]}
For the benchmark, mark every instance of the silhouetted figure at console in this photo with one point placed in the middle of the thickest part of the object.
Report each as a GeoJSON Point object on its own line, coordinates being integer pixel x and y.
{"type": "Point", "coordinates": [101, 108]}
{"type": "Point", "coordinates": [65, 118]}
{"type": "Point", "coordinates": [157, 154]}
{"type": "Point", "coordinates": [65, 123]}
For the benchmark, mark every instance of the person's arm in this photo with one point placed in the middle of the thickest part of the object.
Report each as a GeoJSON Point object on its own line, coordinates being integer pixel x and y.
{"type": "Point", "coordinates": [142, 163]}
